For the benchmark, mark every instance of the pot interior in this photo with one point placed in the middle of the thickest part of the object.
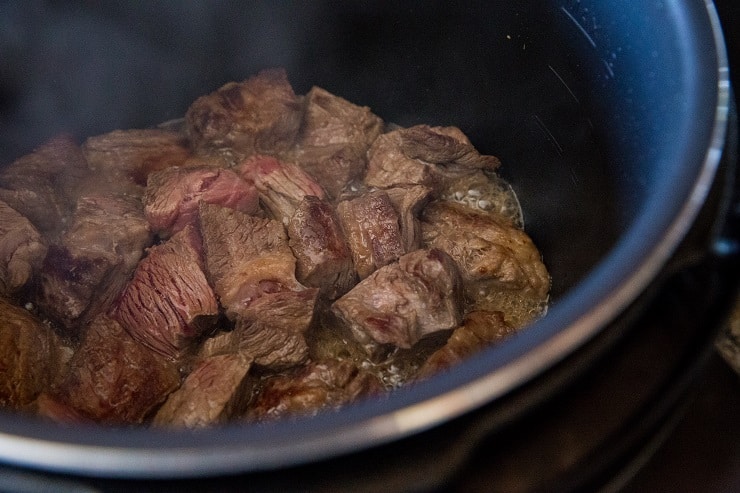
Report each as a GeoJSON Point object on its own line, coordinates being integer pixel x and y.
{"type": "Point", "coordinates": [601, 113]}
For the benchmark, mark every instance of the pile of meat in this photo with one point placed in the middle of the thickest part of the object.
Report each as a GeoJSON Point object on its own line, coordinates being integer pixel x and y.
{"type": "Point", "coordinates": [273, 254]}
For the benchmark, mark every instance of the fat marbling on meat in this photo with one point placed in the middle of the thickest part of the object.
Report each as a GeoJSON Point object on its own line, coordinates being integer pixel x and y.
{"type": "Point", "coordinates": [403, 302]}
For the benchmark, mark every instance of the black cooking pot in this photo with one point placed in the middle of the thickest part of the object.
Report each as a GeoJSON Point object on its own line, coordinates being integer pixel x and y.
{"type": "Point", "coordinates": [610, 118]}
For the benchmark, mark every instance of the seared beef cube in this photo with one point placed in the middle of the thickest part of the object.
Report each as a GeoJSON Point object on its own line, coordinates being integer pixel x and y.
{"type": "Point", "coordinates": [423, 155]}
{"type": "Point", "coordinates": [408, 202]}
{"type": "Point", "coordinates": [310, 389]}
{"type": "Point", "coordinates": [246, 257]}
{"type": "Point", "coordinates": [494, 255]}
{"type": "Point", "coordinates": [334, 139]}
{"type": "Point", "coordinates": [402, 302]}
{"type": "Point", "coordinates": [112, 378]}
{"type": "Point", "coordinates": [323, 257]}
{"type": "Point", "coordinates": [43, 186]}
{"type": "Point", "coordinates": [105, 240]}
{"type": "Point", "coordinates": [22, 250]}
{"type": "Point", "coordinates": [281, 186]}
{"type": "Point", "coordinates": [172, 195]}
{"type": "Point", "coordinates": [214, 392]}
{"type": "Point", "coordinates": [371, 226]}
{"type": "Point", "coordinates": [259, 115]}
{"type": "Point", "coordinates": [131, 155]}
{"type": "Point", "coordinates": [480, 329]}
{"type": "Point", "coordinates": [31, 356]}
{"type": "Point", "coordinates": [169, 304]}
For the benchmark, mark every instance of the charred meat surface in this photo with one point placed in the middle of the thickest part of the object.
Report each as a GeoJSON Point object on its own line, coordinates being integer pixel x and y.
{"type": "Point", "coordinates": [423, 155]}
{"type": "Point", "coordinates": [334, 139]}
{"type": "Point", "coordinates": [323, 258]}
{"type": "Point", "coordinates": [173, 194]}
{"type": "Point", "coordinates": [94, 258]}
{"type": "Point", "coordinates": [372, 227]}
{"type": "Point", "coordinates": [260, 115]}
{"type": "Point", "coordinates": [22, 250]}
{"type": "Point", "coordinates": [31, 356]}
{"type": "Point", "coordinates": [311, 388]}
{"type": "Point", "coordinates": [401, 303]}
{"type": "Point", "coordinates": [214, 392]}
{"type": "Point", "coordinates": [168, 303]}
{"type": "Point", "coordinates": [112, 378]}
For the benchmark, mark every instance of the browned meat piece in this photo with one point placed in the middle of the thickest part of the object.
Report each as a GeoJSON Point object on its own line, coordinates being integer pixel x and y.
{"type": "Point", "coordinates": [22, 250]}
{"type": "Point", "coordinates": [81, 275]}
{"type": "Point", "coordinates": [281, 186]}
{"type": "Point", "coordinates": [112, 379]}
{"type": "Point", "coordinates": [479, 329]}
{"type": "Point", "coordinates": [401, 303]}
{"type": "Point", "coordinates": [423, 155]}
{"type": "Point", "coordinates": [172, 195]}
{"type": "Point", "coordinates": [371, 226]}
{"type": "Point", "coordinates": [131, 155]}
{"type": "Point", "coordinates": [323, 257]}
{"type": "Point", "coordinates": [168, 304]}
{"type": "Point", "coordinates": [43, 186]}
{"type": "Point", "coordinates": [214, 392]}
{"type": "Point", "coordinates": [259, 115]}
{"type": "Point", "coordinates": [253, 272]}
{"type": "Point", "coordinates": [310, 389]}
{"type": "Point", "coordinates": [31, 356]}
{"type": "Point", "coordinates": [408, 202]}
{"type": "Point", "coordinates": [497, 260]}
{"type": "Point", "coordinates": [334, 139]}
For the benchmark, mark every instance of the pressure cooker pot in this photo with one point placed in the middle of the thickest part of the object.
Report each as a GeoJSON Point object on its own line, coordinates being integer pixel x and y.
{"type": "Point", "coordinates": [614, 125]}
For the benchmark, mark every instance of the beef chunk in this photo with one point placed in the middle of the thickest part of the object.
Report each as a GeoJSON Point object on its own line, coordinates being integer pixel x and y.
{"type": "Point", "coordinates": [112, 378]}
{"type": "Point", "coordinates": [131, 155]}
{"type": "Point", "coordinates": [172, 195]}
{"type": "Point", "coordinates": [168, 304]}
{"type": "Point", "coordinates": [408, 202]}
{"type": "Point", "coordinates": [311, 388]}
{"type": "Point", "coordinates": [493, 254]}
{"type": "Point", "coordinates": [43, 186]}
{"type": "Point", "coordinates": [247, 257]}
{"type": "Point", "coordinates": [253, 272]}
{"type": "Point", "coordinates": [214, 392]}
{"type": "Point", "coordinates": [31, 356]}
{"type": "Point", "coordinates": [371, 226]}
{"type": "Point", "coordinates": [22, 250]}
{"type": "Point", "coordinates": [334, 139]}
{"type": "Point", "coordinates": [402, 302]}
{"type": "Point", "coordinates": [479, 330]}
{"type": "Point", "coordinates": [281, 186]}
{"type": "Point", "coordinates": [323, 257]}
{"type": "Point", "coordinates": [423, 155]}
{"type": "Point", "coordinates": [95, 257]}
{"type": "Point", "coordinates": [259, 115]}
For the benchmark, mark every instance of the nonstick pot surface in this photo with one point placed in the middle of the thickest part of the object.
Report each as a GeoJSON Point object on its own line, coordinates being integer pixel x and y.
{"type": "Point", "coordinates": [608, 118]}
